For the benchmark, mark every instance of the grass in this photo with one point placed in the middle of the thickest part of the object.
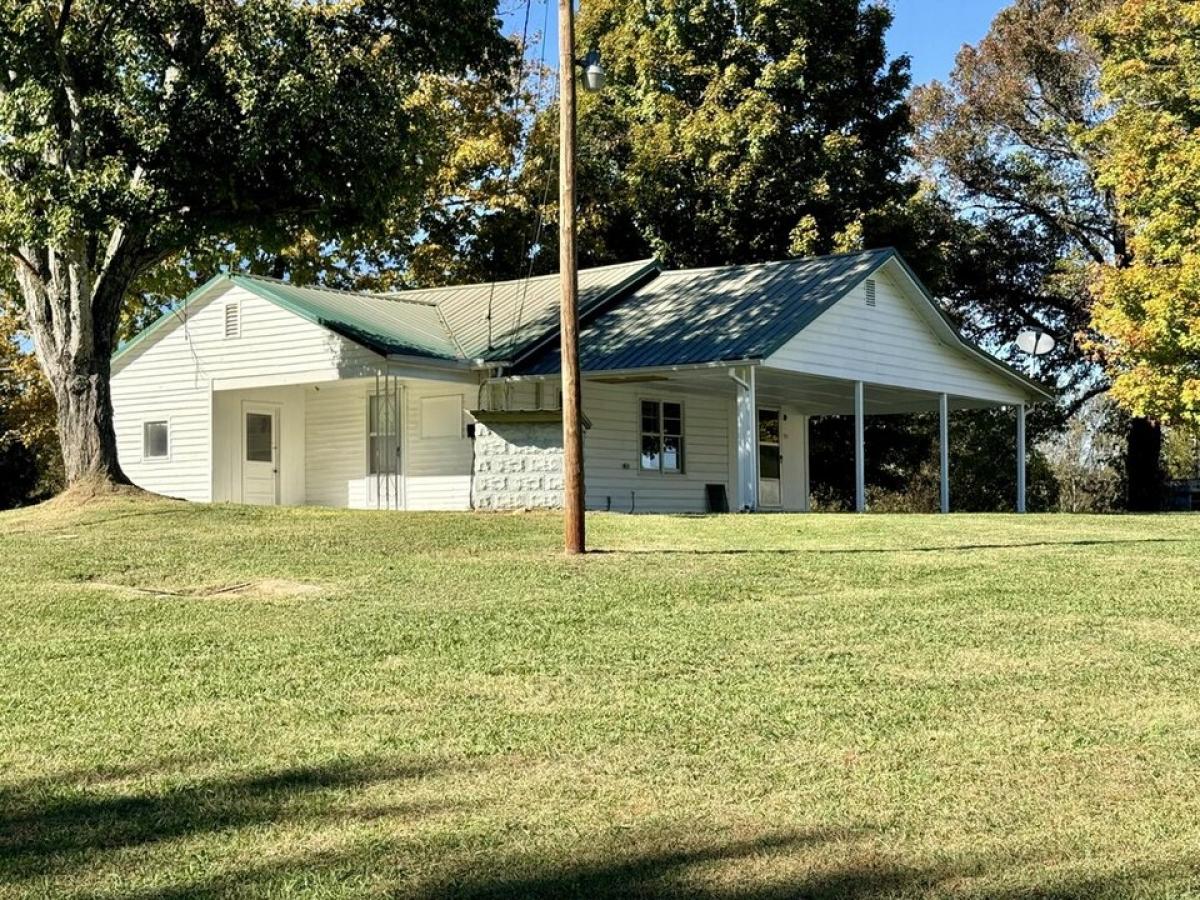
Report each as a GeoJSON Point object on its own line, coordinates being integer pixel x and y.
{"type": "Point", "coordinates": [210, 701]}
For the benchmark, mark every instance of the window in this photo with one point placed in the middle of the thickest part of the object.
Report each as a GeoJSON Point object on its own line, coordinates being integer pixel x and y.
{"type": "Point", "coordinates": [383, 429]}
{"type": "Point", "coordinates": [662, 436]}
{"type": "Point", "coordinates": [233, 320]}
{"type": "Point", "coordinates": [156, 442]}
{"type": "Point", "coordinates": [260, 443]}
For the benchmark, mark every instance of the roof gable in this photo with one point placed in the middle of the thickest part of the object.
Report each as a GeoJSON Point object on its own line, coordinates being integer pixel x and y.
{"type": "Point", "coordinates": [451, 325]}
{"type": "Point", "coordinates": [693, 316]}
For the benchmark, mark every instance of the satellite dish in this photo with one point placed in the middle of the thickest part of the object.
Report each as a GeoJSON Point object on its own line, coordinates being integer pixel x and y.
{"type": "Point", "coordinates": [1035, 343]}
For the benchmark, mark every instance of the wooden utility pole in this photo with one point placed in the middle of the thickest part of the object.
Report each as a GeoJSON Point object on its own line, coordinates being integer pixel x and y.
{"type": "Point", "coordinates": [573, 524]}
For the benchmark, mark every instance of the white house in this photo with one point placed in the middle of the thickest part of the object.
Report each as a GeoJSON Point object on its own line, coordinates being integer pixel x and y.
{"type": "Point", "coordinates": [697, 387]}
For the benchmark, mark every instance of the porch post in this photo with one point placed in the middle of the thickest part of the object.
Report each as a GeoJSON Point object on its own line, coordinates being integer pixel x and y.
{"type": "Point", "coordinates": [1020, 457]}
{"type": "Point", "coordinates": [860, 467]}
{"type": "Point", "coordinates": [747, 438]}
{"type": "Point", "coordinates": [944, 448]}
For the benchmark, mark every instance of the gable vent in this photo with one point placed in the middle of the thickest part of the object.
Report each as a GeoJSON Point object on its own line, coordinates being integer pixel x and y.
{"type": "Point", "coordinates": [870, 292]}
{"type": "Point", "coordinates": [233, 320]}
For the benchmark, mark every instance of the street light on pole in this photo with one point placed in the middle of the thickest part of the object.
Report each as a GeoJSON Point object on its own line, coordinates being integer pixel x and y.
{"type": "Point", "coordinates": [574, 537]}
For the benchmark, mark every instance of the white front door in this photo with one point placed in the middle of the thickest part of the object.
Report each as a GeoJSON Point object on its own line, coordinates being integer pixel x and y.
{"type": "Point", "coordinates": [260, 453]}
{"type": "Point", "coordinates": [770, 494]}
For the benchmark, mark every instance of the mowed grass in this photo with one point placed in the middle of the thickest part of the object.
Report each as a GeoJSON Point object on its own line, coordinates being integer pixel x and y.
{"type": "Point", "coordinates": [210, 701]}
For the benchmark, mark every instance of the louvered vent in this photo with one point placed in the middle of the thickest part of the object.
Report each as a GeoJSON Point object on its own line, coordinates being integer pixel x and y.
{"type": "Point", "coordinates": [233, 321]}
{"type": "Point", "coordinates": [870, 292]}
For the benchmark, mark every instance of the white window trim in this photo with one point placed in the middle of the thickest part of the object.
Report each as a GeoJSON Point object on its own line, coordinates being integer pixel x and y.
{"type": "Point", "coordinates": [660, 472]}
{"type": "Point", "coordinates": [164, 420]}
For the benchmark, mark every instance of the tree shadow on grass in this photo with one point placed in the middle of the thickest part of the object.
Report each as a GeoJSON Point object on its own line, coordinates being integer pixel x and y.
{"type": "Point", "coordinates": [56, 823]}
{"type": "Point", "coordinates": [759, 868]}
{"type": "Point", "coordinates": [833, 551]}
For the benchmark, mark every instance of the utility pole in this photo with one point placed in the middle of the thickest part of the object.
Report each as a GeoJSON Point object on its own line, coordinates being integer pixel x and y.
{"type": "Point", "coordinates": [573, 522]}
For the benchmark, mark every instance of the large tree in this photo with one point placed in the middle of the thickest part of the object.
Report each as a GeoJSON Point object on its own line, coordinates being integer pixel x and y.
{"type": "Point", "coordinates": [745, 130]}
{"type": "Point", "coordinates": [1148, 312]}
{"type": "Point", "coordinates": [1010, 136]}
{"type": "Point", "coordinates": [130, 132]}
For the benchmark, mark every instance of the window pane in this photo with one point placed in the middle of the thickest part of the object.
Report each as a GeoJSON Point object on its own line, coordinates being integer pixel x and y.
{"type": "Point", "coordinates": [768, 426]}
{"type": "Point", "coordinates": [382, 417]}
{"type": "Point", "coordinates": [672, 419]}
{"type": "Point", "coordinates": [672, 454]}
{"type": "Point", "coordinates": [383, 459]}
{"type": "Point", "coordinates": [768, 461]}
{"type": "Point", "coordinates": [154, 439]}
{"type": "Point", "coordinates": [650, 451]}
{"type": "Point", "coordinates": [258, 437]}
{"type": "Point", "coordinates": [650, 418]}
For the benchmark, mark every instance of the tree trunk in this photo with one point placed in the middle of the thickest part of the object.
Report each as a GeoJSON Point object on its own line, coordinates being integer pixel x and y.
{"type": "Point", "coordinates": [85, 420]}
{"type": "Point", "coordinates": [73, 312]}
{"type": "Point", "coordinates": [1143, 467]}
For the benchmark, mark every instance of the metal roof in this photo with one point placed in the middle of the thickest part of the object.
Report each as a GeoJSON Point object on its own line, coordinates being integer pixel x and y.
{"type": "Point", "coordinates": [385, 325]}
{"type": "Point", "coordinates": [500, 320]}
{"type": "Point", "coordinates": [694, 316]}
{"type": "Point", "coordinates": [452, 324]}
{"type": "Point", "coordinates": [633, 315]}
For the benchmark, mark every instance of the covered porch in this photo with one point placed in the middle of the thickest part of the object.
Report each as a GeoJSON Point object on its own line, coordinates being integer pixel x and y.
{"type": "Point", "coordinates": [765, 394]}
{"type": "Point", "coordinates": [395, 438]}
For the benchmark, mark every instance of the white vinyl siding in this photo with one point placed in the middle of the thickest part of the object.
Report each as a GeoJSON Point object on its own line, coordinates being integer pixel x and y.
{"type": "Point", "coordinates": [612, 449]}
{"type": "Point", "coordinates": [173, 373]}
{"type": "Point", "coordinates": [435, 470]}
{"type": "Point", "coordinates": [228, 451]}
{"type": "Point", "coordinates": [892, 344]}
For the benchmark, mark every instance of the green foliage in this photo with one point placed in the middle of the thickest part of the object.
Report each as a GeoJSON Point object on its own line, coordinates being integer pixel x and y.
{"type": "Point", "coordinates": [1004, 141]}
{"type": "Point", "coordinates": [902, 468]}
{"type": "Point", "coordinates": [745, 131]}
{"type": "Point", "coordinates": [30, 462]}
{"type": "Point", "coordinates": [187, 131]}
{"type": "Point", "coordinates": [1149, 312]}
{"type": "Point", "coordinates": [196, 119]}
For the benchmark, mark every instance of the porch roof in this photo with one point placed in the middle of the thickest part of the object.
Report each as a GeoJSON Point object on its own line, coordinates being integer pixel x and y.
{"type": "Point", "coordinates": [693, 316]}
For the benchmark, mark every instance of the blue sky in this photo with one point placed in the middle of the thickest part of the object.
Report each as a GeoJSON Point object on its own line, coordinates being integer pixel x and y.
{"type": "Point", "coordinates": [929, 31]}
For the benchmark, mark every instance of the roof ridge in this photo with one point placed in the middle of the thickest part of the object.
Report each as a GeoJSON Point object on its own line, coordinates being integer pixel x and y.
{"type": "Point", "coordinates": [520, 280]}
{"type": "Point", "coordinates": [874, 251]}
{"type": "Point", "coordinates": [365, 295]}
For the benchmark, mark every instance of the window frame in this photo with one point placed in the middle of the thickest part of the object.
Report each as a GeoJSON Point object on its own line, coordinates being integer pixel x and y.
{"type": "Point", "coordinates": [149, 457]}
{"type": "Point", "coordinates": [662, 434]}
{"type": "Point", "coordinates": [396, 397]}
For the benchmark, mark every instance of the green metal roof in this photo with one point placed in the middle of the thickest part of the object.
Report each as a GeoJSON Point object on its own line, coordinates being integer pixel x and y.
{"type": "Point", "coordinates": [387, 325]}
{"type": "Point", "coordinates": [502, 319]}
{"type": "Point", "coordinates": [693, 316]}
{"type": "Point", "coordinates": [633, 315]}
{"type": "Point", "coordinates": [451, 324]}
{"type": "Point", "coordinates": [730, 313]}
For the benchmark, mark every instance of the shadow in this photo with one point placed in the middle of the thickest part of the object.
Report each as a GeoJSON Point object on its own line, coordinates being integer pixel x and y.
{"type": "Point", "coordinates": [951, 548]}
{"type": "Point", "coordinates": [804, 865]}
{"type": "Point", "coordinates": [675, 872]}
{"type": "Point", "coordinates": [54, 822]}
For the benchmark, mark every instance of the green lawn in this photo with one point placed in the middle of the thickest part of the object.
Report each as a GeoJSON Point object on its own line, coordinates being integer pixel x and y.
{"type": "Point", "coordinates": [200, 701]}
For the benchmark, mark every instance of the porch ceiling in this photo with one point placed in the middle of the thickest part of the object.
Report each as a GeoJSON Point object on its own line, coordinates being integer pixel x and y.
{"type": "Point", "coordinates": [812, 394]}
